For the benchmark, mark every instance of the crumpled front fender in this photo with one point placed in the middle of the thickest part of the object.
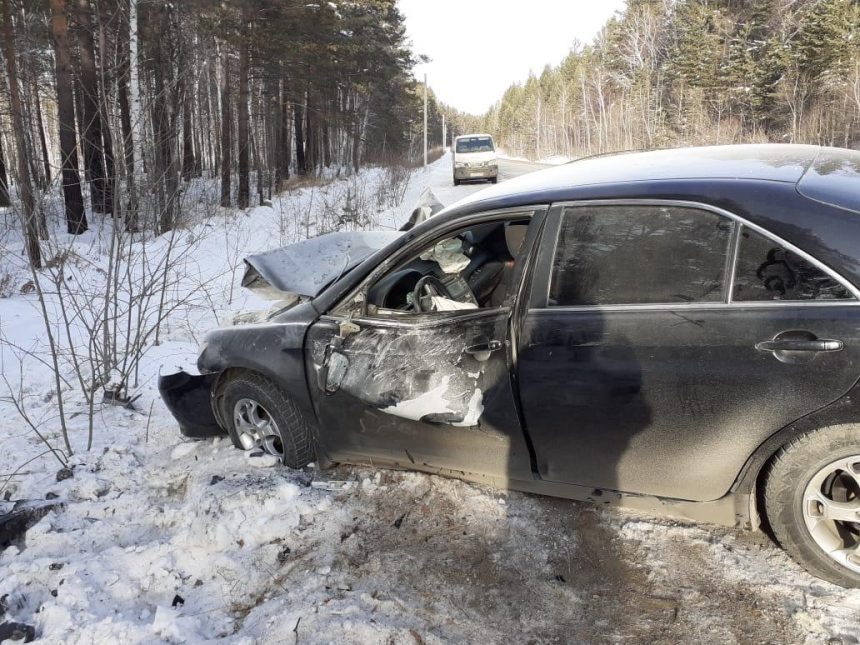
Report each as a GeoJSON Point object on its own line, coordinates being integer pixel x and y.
{"type": "Point", "coordinates": [189, 399]}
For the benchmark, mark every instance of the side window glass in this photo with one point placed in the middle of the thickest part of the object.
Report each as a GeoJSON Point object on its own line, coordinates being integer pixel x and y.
{"type": "Point", "coordinates": [621, 255]}
{"type": "Point", "coordinates": [767, 271]}
{"type": "Point", "coordinates": [472, 269]}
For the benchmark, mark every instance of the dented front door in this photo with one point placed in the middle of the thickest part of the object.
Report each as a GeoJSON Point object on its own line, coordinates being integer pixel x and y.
{"type": "Point", "coordinates": [431, 391]}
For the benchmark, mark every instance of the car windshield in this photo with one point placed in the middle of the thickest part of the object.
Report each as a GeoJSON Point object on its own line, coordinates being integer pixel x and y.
{"type": "Point", "coordinates": [475, 144]}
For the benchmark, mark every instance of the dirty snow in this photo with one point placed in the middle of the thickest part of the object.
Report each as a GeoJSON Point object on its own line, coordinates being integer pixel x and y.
{"type": "Point", "coordinates": [158, 539]}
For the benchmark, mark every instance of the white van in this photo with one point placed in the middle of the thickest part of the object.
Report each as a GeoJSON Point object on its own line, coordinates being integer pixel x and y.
{"type": "Point", "coordinates": [475, 158]}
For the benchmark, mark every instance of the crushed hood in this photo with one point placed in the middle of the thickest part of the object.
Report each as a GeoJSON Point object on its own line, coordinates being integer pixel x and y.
{"type": "Point", "coordinates": [306, 268]}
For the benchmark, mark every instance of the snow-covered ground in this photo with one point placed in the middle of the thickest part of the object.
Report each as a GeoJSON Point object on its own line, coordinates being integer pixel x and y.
{"type": "Point", "coordinates": [162, 539]}
{"type": "Point", "coordinates": [552, 160]}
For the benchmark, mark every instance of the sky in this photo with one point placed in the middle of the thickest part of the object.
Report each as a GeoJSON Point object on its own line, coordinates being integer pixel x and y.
{"type": "Point", "coordinates": [479, 47]}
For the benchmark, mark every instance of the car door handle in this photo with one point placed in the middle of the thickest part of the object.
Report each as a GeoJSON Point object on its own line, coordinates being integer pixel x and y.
{"type": "Point", "coordinates": [798, 345]}
{"type": "Point", "coordinates": [488, 346]}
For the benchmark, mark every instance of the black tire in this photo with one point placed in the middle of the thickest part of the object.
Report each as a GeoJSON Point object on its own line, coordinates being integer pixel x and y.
{"type": "Point", "coordinates": [297, 448]}
{"type": "Point", "coordinates": [456, 182]}
{"type": "Point", "coordinates": [494, 180]}
{"type": "Point", "coordinates": [793, 469]}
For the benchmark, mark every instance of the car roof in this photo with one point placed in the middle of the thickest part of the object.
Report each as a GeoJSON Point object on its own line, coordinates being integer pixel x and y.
{"type": "Point", "coordinates": [834, 179]}
{"type": "Point", "coordinates": [766, 162]}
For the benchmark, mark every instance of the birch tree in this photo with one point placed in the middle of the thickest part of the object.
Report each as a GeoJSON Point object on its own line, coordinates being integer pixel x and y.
{"type": "Point", "coordinates": [25, 188]}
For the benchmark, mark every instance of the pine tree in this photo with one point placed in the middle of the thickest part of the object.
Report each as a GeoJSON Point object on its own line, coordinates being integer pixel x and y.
{"type": "Point", "coordinates": [675, 72]}
{"type": "Point", "coordinates": [76, 219]}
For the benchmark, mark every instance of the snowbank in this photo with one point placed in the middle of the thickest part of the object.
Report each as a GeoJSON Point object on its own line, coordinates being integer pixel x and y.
{"type": "Point", "coordinates": [553, 160]}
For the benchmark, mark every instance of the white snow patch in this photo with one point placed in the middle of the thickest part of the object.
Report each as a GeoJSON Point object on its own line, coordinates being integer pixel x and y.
{"type": "Point", "coordinates": [183, 450]}
{"type": "Point", "coordinates": [474, 411]}
{"type": "Point", "coordinates": [551, 160]}
{"type": "Point", "coordinates": [430, 402]}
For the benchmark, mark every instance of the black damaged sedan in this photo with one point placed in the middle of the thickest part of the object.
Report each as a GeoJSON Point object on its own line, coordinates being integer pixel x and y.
{"type": "Point", "coordinates": [675, 331]}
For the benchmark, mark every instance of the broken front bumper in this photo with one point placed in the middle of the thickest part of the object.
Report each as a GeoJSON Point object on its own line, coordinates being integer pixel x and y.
{"type": "Point", "coordinates": [189, 399]}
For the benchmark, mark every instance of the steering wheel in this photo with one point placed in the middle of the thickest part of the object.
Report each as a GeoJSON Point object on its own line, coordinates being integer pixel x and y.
{"type": "Point", "coordinates": [433, 286]}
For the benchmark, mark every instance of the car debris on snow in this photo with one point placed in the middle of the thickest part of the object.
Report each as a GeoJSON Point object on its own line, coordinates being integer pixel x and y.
{"type": "Point", "coordinates": [332, 485]}
{"type": "Point", "coordinates": [17, 518]}
{"type": "Point", "coordinates": [12, 632]}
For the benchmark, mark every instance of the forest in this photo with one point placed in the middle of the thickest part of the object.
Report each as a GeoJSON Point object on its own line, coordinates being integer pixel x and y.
{"type": "Point", "coordinates": [121, 104]}
{"type": "Point", "coordinates": [666, 73]}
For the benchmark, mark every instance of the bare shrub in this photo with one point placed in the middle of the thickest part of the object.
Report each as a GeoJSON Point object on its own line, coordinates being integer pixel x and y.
{"type": "Point", "coordinates": [435, 154]}
{"type": "Point", "coordinates": [391, 190]}
{"type": "Point", "coordinates": [6, 284]}
{"type": "Point", "coordinates": [102, 308]}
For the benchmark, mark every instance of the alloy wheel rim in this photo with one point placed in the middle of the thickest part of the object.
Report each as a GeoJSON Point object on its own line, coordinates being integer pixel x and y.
{"type": "Point", "coordinates": [831, 511]}
{"type": "Point", "coordinates": [256, 428]}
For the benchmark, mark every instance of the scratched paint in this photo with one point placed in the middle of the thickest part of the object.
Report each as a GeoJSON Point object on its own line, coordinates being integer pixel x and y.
{"type": "Point", "coordinates": [427, 403]}
{"type": "Point", "coordinates": [417, 374]}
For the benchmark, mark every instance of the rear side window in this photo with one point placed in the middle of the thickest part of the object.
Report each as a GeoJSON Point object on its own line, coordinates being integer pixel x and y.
{"type": "Point", "coordinates": [767, 271]}
{"type": "Point", "coordinates": [623, 255]}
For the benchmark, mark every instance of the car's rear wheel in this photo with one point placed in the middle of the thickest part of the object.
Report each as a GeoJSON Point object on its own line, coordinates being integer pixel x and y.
{"type": "Point", "coordinates": [259, 415]}
{"type": "Point", "coordinates": [494, 180]}
{"type": "Point", "coordinates": [812, 502]}
{"type": "Point", "coordinates": [456, 182]}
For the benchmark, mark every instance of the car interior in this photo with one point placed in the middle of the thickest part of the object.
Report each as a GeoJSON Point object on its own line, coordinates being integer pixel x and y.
{"type": "Point", "coordinates": [470, 270]}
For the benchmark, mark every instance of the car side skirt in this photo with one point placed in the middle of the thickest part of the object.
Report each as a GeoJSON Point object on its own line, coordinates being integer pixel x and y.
{"type": "Point", "coordinates": [733, 510]}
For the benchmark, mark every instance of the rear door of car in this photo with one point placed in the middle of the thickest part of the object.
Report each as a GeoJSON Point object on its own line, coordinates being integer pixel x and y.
{"type": "Point", "coordinates": [641, 370]}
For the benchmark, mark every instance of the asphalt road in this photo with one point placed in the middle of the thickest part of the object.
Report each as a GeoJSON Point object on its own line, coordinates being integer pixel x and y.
{"type": "Point", "coordinates": [510, 168]}
{"type": "Point", "coordinates": [443, 186]}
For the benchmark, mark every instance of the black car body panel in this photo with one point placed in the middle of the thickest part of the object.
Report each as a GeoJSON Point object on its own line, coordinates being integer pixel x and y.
{"type": "Point", "coordinates": [377, 412]}
{"type": "Point", "coordinates": [274, 349]}
{"type": "Point", "coordinates": [679, 403]}
{"type": "Point", "coordinates": [188, 397]}
{"type": "Point", "coordinates": [669, 404]}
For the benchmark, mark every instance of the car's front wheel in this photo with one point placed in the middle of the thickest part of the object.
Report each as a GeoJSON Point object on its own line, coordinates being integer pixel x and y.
{"type": "Point", "coordinates": [812, 502]}
{"type": "Point", "coordinates": [259, 415]}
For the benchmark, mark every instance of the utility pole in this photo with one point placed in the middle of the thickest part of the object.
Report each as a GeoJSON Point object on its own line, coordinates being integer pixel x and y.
{"type": "Point", "coordinates": [444, 133]}
{"type": "Point", "coordinates": [425, 120]}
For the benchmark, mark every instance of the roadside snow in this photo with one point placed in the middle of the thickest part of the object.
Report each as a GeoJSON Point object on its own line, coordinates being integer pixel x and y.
{"type": "Point", "coordinates": [552, 160]}
{"type": "Point", "coordinates": [164, 540]}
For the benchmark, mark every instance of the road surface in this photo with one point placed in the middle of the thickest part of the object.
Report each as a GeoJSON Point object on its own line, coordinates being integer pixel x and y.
{"type": "Point", "coordinates": [510, 168]}
{"type": "Point", "coordinates": [442, 180]}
